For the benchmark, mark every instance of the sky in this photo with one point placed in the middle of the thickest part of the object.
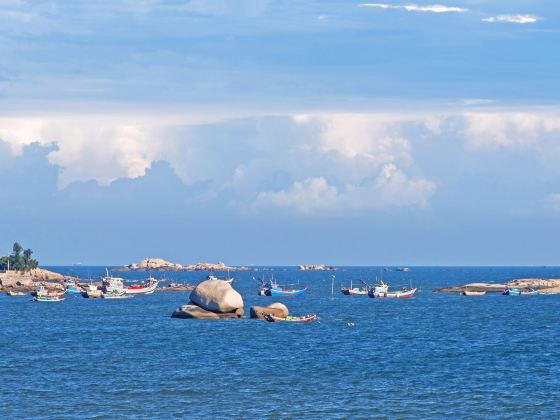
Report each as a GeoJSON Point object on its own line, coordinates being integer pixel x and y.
{"type": "Point", "coordinates": [281, 132]}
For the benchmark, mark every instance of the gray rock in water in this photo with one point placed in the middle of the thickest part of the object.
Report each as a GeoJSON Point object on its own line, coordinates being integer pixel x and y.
{"type": "Point", "coordinates": [277, 309]}
{"type": "Point", "coordinates": [216, 296]}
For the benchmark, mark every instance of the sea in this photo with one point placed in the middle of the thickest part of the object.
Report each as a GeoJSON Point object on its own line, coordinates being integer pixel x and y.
{"type": "Point", "coordinates": [434, 356]}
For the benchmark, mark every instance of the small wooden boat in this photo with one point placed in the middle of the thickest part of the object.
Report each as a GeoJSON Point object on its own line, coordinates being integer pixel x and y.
{"type": "Point", "coordinates": [15, 293]}
{"type": "Point", "coordinates": [355, 290]}
{"type": "Point", "coordinates": [59, 298]}
{"type": "Point", "coordinates": [304, 318]}
{"type": "Point", "coordinates": [473, 293]}
{"type": "Point", "coordinates": [92, 292]}
{"type": "Point", "coordinates": [44, 295]}
{"type": "Point", "coordinates": [517, 292]}
{"type": "Point", "coordinates": [382, 291]}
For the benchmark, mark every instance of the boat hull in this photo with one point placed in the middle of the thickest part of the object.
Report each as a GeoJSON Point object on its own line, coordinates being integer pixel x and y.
{"type": "Point", "coordinates": [351, 292]}
{"type": "Point", "coordinates": [408, 294]}
{"type": "Point", "coordinates": [142, 290]}
{"type": "Point", "coordinates": [515, 292]}
{"type": "Point", "coordinates": [302, 319]}
{"type": "Point", "coordinates": [281, 292]}
{"type": "Point", "coordinates": [470, 293]}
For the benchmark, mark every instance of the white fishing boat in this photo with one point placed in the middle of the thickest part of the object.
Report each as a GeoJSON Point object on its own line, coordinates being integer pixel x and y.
{"type": "Point", "coordinates": [144, 288]}
{"type": "Point", "coordinates": [351, 290]}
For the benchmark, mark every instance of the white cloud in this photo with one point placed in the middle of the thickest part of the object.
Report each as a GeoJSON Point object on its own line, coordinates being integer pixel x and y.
{"type": "Point", "coordinates": [521, 19]}
{"type": "Point", "coordinates": [507, 129]}
{"type": "Point", "coordinates": [433, 8]}
{"type": "Point", "coordinates": [275, 159]}
{"type": "Point", "coordinates": [391, 189]}
{"type": "Point", "coordinates": [304, 196]}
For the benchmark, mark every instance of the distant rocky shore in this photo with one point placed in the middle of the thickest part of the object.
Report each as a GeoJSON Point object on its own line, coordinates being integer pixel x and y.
{"type": "Point", "coordinates": [316, 267]}
{"type": "Point", "coordinates": [28, 281]}
{"type": "Point", "coordinates": [160, 264]}
{"type": "Point", "coordinates": [544, 286]}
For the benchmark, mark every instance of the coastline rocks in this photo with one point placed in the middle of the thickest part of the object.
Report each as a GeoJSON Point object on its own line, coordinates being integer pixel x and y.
{"type": "Point", "coordinates": [216, 296]}
{"type": "Point", "coordinates": [154, 264]}
{"type": "Point", "coordinates": [164, 265]}
{"type": "Point", "coordinates": [277, 309]}
{"type": "Point", "coordinates": [316, 267]}
{"type": "Point", "coordinates": [544, 286]}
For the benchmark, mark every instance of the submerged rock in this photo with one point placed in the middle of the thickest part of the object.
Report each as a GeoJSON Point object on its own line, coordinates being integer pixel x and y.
{"type": "Point", "coordinates": [216, 296]}
{"type": "Point", "coordinates": [277, 309]}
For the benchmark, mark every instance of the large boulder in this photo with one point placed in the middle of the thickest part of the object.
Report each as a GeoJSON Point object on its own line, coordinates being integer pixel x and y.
{"type": "Point", "coordinates": [216, 296]}
{"type": "Point", "coordinates": [277, 309]}
{"type": "Point", "coordinates": [196, 312]}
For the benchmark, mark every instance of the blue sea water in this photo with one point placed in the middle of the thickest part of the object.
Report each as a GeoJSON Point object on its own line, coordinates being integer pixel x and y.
{"type": "Point", "coordinates": [434, 356]}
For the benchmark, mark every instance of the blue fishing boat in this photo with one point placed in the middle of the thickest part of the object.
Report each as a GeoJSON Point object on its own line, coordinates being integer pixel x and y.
{"type": "Point", "coordinates": [274, 289]}
{"type": "Point", "coordinates": [71, 287]}
{"type": "Point", "coordinates": [517, 292]}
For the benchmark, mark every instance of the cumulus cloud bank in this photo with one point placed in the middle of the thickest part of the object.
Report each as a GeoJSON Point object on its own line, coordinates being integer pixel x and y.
{"type": "Point", "coordinates": [433, 8]}
{"type": "Point", "coordinates": [303, 163]}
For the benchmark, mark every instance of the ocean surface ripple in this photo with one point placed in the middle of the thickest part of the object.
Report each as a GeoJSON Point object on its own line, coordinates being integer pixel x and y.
{"type": "Point", "coordinates": [433, 356]}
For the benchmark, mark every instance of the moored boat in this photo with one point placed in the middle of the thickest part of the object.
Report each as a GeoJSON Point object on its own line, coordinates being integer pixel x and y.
{"type": "Point", "coordinates": [115, 294]}
{"type": "Point", "coordinates": [274, 289]}
{"type": "Point", "coordinates": [473, 293]}
{"type": "Point", "coordinates": [92, 292]}
{"type": "Point", "coordinates": [382, 291]}
{"type": "Point", "coordinates": [351, 290]}
{"type": "Point", "coordinates": [517, 292]}
{"type": "Point", "coordinates": [72, 287]}
{"type": "Point", "coordinates": [304, 318]}
{"type": "Point", "coordinates": [144, 288]}
{"type": "Point", "coordinates": [45, 295]}
{"type": "Point", "coordinates": [15, 293]}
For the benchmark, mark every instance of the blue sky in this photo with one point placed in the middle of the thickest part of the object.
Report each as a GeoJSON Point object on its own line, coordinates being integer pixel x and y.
{"type": "Point", "coordinates": [281, 132]}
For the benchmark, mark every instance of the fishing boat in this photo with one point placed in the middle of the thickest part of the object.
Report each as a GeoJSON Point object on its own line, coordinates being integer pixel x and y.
{"type": "Point", "coordinates": [517, 292]}
{"type": "Point", "coordinates": [355, 290]}
{"type": "Point", "coordinates": [45, 295]}
{"type": "Point", "coordinates": [405, 269]}
{"type": "Point", "coordinates": [304, 318]}
{"type": "Point", "coordinates": [49, 298]}
{"type": "Point", "coordinates": [92, 292]}
{"type": "Point", "coordinates": [473, 293]}
{"type": "Point", "coordinates": [115, 294]}
{"type": "Point", "coordinates": [72, 287]}
{"type": "Point", "coordinates": [227, 279]}
{"type": "Point", "coordinates": [145, 288]}
{"type": "Point", "coordinates": [382, 291]}
{"type": "Point", "coordinates": [15, 293]}
{"type": "Point", "coordinates": [274, 289]}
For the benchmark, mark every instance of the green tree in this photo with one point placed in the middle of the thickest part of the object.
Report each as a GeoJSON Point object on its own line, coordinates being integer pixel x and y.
{"type": "Point", "coordinates": [20, 259]}
{"type": "Point", "coordinates": [17, 248]}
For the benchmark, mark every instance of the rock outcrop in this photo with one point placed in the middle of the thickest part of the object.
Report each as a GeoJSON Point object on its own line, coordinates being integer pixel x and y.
{"type": "Point", "coordinates": [316, 267]}
{"type": "Point", "coordinates": [164, 265]}
{"type": "Point", "coordinates": [154, 264]}
{"type": "Point", "coordinates": [28, 280]}
{"type": "Point", "coordinates": [277, 309]}
{"type": "Point", "coordinates": [216, 296]}
{"type": "Point", "coordinates": [545, 286]}
{"type": "Point", "coordinates": [212, 299]}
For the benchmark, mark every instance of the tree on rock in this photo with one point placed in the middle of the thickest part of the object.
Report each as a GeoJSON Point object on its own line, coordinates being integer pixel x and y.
{"type": "Point", "coordinates": [19, 260]}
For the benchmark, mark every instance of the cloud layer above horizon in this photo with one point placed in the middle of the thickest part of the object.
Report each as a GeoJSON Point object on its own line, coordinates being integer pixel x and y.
{"type": "Point", "coordinates": [326, 124]}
